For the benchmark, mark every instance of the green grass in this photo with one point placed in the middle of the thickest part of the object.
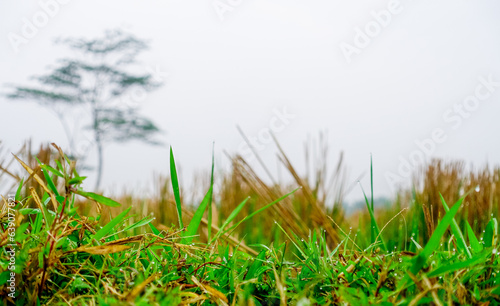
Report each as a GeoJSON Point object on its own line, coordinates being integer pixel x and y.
{"type": "Point", "coordinates": [66, 257]}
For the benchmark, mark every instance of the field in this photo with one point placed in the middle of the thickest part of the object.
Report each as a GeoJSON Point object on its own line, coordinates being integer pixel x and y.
{"type": "Point", "coordinates": [249, 242]}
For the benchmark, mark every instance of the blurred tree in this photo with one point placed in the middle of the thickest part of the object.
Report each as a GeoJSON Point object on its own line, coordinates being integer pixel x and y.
{"type": "Point", "coordinates": [100, 85]}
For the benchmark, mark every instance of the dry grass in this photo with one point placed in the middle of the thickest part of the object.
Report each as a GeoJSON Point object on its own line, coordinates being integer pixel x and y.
{"type": "Point", "coordinates": [11, 173]}
{"type": "Point", "coordinates": [452, 180]}
{"type": "Point", "coordinates": [301, 213]}
{"type": "Point", "coordinates": [308, 209]}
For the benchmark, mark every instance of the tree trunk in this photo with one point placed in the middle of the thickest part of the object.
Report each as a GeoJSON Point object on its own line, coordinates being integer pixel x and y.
{"type": "Point", "coordinates": [98, 141]}
{"type": "Point", "coordinates": [99, 163]}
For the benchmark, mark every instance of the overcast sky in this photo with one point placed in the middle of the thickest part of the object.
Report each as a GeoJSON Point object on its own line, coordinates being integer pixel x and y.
{"type": "Point", "coordinates": [401, 80]}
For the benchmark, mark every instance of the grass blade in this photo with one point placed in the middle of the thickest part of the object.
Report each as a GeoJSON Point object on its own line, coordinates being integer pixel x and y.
{"type": "Point", "coordinates": [211, 193]}
{"type": "Point", "coordinates": [260, 210]}
{"type": "Point", "coordinates": [490, 233]}
{"type": "Point", "coordinates": [76, 180]}
{"type": "Point", "coordinates": [49, 168]}
{"type": "Point", "coordinates": [374, 225]}
{"type": "Point", "coordinates": [456, 266]}
{"type": "Point", "coordinates": [193, 226]}
{"type": "Point", "coordinates": [98, 198]}
{"type": "Point", "coordinates": [43, 208]}
{"type": "Point", "coordinates": [474, 243]}
{"type": "Point", "coordinates": [39, 181]}
{"type": "Point", "coordinates": [108, 227]}
{"type": "Point", "coordinates": [229, 219]}
{"type": "Point", "coordinates": [142, 222]}
{"type": "Point", "coordinates": [175, 187]}
{"type": "Point", "coordinates": [435, 239]}
{"type": "Point", "coordinates": [18, 191]}
{"type": "Point", "coordinates": [252, 271]}
{"type": "Point", "coordinates": [461, 244]}
{"type": "Point", "coordinates": [50, 183]}
{"type": "Point", "coordinates": [293, 241]}
{"type": "Point", "coordinates": [373, 222]}
{"type": "Point", "coordinates": [154, 229]}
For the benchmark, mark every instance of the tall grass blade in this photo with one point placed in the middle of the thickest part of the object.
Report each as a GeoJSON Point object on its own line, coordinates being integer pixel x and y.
{"type": "Point", "coordinates": [461, 244]}
{"type": "Point", "coordinates": [229, 219]}
{"type": "Point", "coordinates": [193, 226]}
{"type": "Point", "coordinates": [293, 241]}
{"type": "Point", "coordinates": [175, 187]}
{"type": "Point", "coordinates": [211, 195]}
{"type": "Point", "coordinates": [260, 210]}
{"type": "Point", "coordinates": [375, 231]}
{"type": "Point", "coordinates": [371, 180]}
{"type": "Point", "coordinates": [373, 223]}
{"type": "Point", "coordinates": [435, 239]}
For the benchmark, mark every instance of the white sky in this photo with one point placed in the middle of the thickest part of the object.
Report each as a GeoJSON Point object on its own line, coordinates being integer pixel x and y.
{"type": "Point", "coordinates": [267, 56]}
